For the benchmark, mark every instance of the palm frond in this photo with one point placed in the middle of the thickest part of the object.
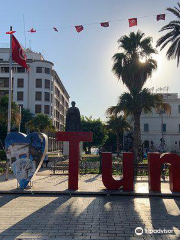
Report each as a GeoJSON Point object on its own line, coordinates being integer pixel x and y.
{"type": "Point", "coordinates": [172, 37]}
{"type": "Point", "coordinates": [171, 53]}
{"type": "Point", "coordinates": [127, 65]}
{"type": "Point", "coordinates": [174, 11]}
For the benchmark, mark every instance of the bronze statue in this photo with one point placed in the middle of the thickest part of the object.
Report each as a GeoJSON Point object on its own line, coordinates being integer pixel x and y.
{"type": "Point", "coordinates": [73, 119]}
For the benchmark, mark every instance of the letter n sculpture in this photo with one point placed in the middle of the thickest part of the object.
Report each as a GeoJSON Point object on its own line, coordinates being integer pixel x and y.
{"type": "Point", "coordinates": [155, 160]}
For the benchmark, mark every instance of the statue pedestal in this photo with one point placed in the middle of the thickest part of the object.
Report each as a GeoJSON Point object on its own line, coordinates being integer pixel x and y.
{"type": "Point", "coordinates": [66, 148]}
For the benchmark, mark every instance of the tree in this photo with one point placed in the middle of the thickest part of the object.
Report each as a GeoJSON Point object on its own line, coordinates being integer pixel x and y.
{"type": "Point", "coordinates": [111, 142]}
{"type": "Point", "coordinates": [133, 105]}
{"type": "Point", "coordinates": [99, 132]}
{"type": "Point", "coordinates": [118, 124]}
{"type": "Point", "coordinates": [133, 66]}
{"type": "Point", "coordinates": [15, 115]}
{"type": "Point", "coordinates": [26, 116]}
{"type": "Point", "coordinates": [172, 36]}
{"type": "Point", "coordinates": [41, 123]}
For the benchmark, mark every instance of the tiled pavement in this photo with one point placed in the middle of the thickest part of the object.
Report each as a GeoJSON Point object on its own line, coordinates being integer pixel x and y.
{"type": "Point", "coordinates": [84, 217]}
{"type": "Point", "coordinates": [105, 217]}
{"type": "Point", "coordinates": [87, 183]}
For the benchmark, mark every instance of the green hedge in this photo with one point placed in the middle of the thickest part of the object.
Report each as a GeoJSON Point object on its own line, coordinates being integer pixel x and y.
{"type": "Point", "coordinates": [2, 155]}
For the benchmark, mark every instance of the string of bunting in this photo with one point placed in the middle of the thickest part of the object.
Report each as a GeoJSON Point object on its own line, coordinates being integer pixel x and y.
{"type": "Point", "coordinates": [79, 28]}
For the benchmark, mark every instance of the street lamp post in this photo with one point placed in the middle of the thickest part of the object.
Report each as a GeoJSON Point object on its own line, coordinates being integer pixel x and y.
{"type": "Point", "coordinates": [162, 132]}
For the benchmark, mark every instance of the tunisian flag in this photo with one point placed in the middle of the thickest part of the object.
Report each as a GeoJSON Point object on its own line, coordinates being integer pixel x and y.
{"type": "Point", "coordinates": [18, 54]}
{"type": "Point", "coordinates": [132, 22]}
{"type": "Point", "coordinates": [160, 17]}
{"type": "Point", "coordinates": [104, 24]}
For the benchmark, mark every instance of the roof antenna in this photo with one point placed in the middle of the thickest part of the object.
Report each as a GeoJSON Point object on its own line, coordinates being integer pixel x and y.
{"type": "Point", "coordinates": [24, 31]}
{"type": "Point", "coordinates": [30, 44]}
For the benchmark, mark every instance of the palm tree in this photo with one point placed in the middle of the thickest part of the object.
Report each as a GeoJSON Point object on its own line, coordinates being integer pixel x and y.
{"type": "Point", "coordinates": [172, 36]}
{"type": "Point", "coordinates": [134, 64]}
{"type": "Point", "coordinates": [40, 123]}
{"type": "Point", "coordinates": [133, 104]}
{"type": "Point", "coordinates": [118, 124]}
{"type": "Point", "coordinates": [16, 118]}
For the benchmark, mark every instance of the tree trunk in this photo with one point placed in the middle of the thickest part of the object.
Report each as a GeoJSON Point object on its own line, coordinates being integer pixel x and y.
{"type": "Point", "coordinates": [137, 136]}
{"type": "Point", "coordinates": [89, 149]}
{"type": "Point", "coordinates": [117, 145]}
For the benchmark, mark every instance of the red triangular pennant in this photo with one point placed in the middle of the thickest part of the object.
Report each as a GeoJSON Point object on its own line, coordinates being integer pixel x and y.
{"type": "Point", "coordinates": [79, 28]}
{"type": "Point", "coordinates": [10, 32]}
{"type": "Point", "coordinates": [32, 30]}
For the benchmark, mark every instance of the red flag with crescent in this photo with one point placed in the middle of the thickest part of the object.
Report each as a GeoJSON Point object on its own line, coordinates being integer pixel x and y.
{"type": "Point", "coordinates": [104, 24]}
{"type": "Point", "coordinates": [18, 54]}
{"type": "Point", "coordinates": [160, 17]}
{"type": "Point", "coordinates": [132, 22]}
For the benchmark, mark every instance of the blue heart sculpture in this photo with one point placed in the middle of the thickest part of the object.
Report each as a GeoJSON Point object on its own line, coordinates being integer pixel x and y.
{"type": "Point", "coordinates": [25, 154]}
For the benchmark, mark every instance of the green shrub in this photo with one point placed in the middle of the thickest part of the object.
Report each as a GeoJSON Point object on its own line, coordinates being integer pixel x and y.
{"type": "Point", "coordinates": [2, 155]}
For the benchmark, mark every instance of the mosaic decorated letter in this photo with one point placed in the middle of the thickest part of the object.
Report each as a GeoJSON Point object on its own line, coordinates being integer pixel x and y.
{"type": "Point", "coordinates": [25, 154]}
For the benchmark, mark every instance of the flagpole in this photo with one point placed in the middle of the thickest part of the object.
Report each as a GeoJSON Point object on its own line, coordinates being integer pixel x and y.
{"type": "Point", "coordinates": [10, 84]}
{"type": "Point", "coordinates": [20, 119]}
{"type": "Point", "coordinates": [9, 103]}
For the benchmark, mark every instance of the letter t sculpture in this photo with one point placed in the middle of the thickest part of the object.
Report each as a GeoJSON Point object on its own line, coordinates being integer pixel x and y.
{"type": "Point", "coordinates": [74, 138]}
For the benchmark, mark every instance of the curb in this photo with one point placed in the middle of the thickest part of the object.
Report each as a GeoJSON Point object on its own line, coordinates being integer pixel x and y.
{"type": "Point", "coordinates": [83, 193]}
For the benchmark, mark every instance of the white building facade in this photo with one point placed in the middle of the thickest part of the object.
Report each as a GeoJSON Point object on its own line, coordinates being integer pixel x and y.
{"type": "Point", "coordinates": [40, 90]}
{"type": "Point", "coordinates": [155, 126]}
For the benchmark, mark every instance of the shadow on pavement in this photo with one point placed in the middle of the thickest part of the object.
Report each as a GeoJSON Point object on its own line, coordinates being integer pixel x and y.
{"type": "Point", "coordinates": [88, 217]}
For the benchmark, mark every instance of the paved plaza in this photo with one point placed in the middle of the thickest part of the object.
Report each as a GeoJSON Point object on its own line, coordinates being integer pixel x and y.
{"type": "Point", "coordinates": [88, 183]}
{"type": "Point", "coordinates": [104, 217]}
{"type": "Point", "coordinates": [53, 216]}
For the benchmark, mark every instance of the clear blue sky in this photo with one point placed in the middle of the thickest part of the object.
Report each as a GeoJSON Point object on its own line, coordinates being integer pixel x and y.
{"type": "Point", "coordinates": [84, 61]}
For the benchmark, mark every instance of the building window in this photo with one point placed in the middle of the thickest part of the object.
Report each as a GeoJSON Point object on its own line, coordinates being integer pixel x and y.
{"type": "Point", "coordinates": [146, 127]}
{"type": "Point", "coordinates": [46, 109]}
{"type": "Point", "coordinates": [37, 108]}
{"type": "Point", "coordinates": [20, 70]}
{"type": "Point", "coordinates": [38, 96]}
{"type": "Point", "coordinates": [39, 83]}
{"type": "Point", "coordinates": [57, 114]}
{"type": "Point", "coordinates": [57, 92]}
{"type": "Point", "coordinates": [20, 83]}
{"type": "Point", "coordinates": [5, 69]}
{"type": "Point", "coordinates": [6, 82]}
{"type": "Point", "coordinates": [47, 96]}
{"type": "Point", "coordinates": [47, 70]}
{"type": "Point", "coordinates": [19, 96]}
{"type": "Point", "coordinates": [38, 69]}
{"type": "Point", "coordinates": [47, 83]}
{"type": "Point", "coordinates": [164, 127]}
